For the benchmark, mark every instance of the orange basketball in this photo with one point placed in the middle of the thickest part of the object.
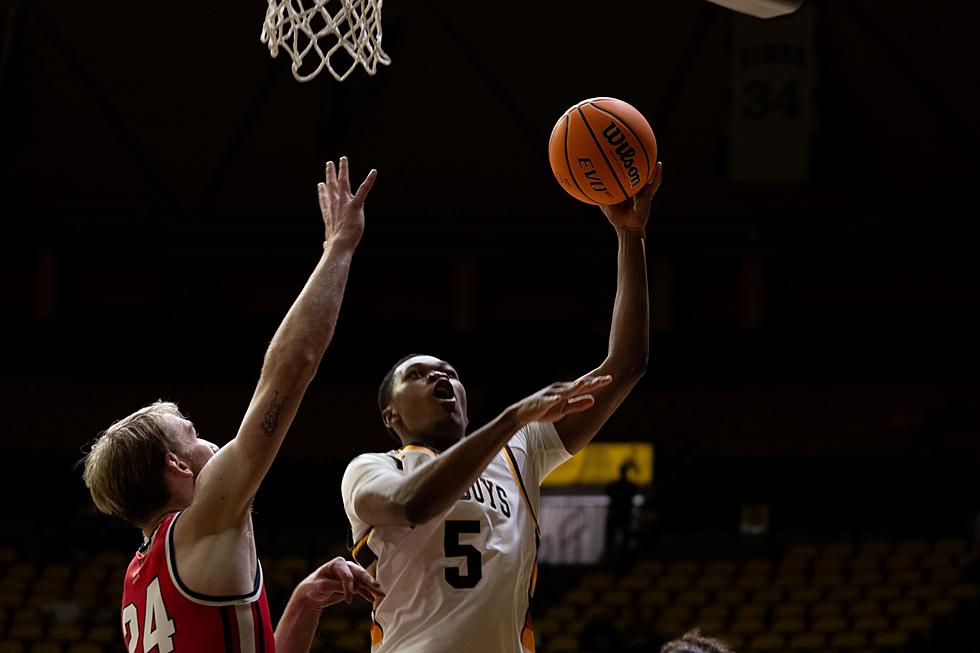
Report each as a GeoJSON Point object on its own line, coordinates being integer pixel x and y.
{"type": "Point", "coordinates": [602, 151]}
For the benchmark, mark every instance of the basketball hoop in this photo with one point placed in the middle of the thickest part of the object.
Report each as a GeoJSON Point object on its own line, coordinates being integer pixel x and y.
{"type": "Point", "coordinates": [348, 32]}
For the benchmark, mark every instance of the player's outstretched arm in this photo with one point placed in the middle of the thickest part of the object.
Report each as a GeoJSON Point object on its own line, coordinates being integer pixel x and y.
{"type": "Point", "coordinates": [629, 336]}
{"type": "Point", "coordinates": [230, 479]}
{"type": "Point", "coordinates": [336, 581]}
{"type": "Point", "coordinates": [397, 498]}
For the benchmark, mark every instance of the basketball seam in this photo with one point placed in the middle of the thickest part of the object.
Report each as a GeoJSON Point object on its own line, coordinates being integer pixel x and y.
{"type": "Point", "coordinates": [635, 135]}
{"type": "Point", "coordinates": [568, 163]}
{"type": "Point", "coordinates": [602, 152]}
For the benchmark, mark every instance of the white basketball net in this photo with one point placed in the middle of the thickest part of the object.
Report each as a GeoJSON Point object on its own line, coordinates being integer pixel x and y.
{"type": "Point", "coordinates": [316, 30]}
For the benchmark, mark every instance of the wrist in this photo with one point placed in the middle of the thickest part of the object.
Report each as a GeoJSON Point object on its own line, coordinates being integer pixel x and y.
{"type": "Point", "coordinates": [341, 243]}
{"type": "Point", "coordinates": [302, 601]}
{"type": "Point", "coordinates": [624, 231]}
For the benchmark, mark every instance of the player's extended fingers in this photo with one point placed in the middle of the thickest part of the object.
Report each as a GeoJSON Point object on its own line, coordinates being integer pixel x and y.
{"type": "Point", "coordinates": [365, 187]}
{"type": "Point", "coordinates": [322, 197]}
{"type": "Point", "coordinates": [647, 192]}
{"type": "Point", "coordinates": [346, 578]}
{"type": "Point", "coordinates": [578, 404]}
{"type": "Point", "coordinates": [327, 591]}
{"type": "Point", "coordinates": [330, 177]}
{"type": "Point", "coordinates": [343, 177]}
{"type": "Point", "coordinates": [588, 382]}
{"type": "Point", "coordinates": [362, 577]}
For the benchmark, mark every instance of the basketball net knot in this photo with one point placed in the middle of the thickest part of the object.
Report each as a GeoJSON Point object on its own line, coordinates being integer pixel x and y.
{"type": "Point", "coordinates": [316, 31]}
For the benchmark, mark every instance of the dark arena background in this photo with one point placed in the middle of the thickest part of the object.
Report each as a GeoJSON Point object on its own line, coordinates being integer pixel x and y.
{"type": "Point", "coordinates": [812, 394]}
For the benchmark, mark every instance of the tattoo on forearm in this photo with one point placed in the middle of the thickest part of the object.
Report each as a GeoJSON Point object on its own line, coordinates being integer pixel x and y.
{"type": "Point", "coordinates": [271, 420]}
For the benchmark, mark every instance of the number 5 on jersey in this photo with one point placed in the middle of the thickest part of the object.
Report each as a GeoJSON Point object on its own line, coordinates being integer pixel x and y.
{"type": "Point", "coordinates": [158, 627]}
{"type": "Point", "coordinates": [453, 549]}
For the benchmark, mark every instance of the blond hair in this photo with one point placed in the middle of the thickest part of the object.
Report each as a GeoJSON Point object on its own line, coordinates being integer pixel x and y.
{"type": "Point", "coordinates": [124, 466]}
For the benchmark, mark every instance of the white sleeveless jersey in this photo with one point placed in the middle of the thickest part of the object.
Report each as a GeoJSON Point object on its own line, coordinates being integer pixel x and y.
{"type": "Point", "coordinates": [463, 580]}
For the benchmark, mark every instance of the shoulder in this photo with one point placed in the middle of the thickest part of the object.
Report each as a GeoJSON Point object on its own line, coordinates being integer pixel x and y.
{"type": "Point", "coordinates": [387, 460]}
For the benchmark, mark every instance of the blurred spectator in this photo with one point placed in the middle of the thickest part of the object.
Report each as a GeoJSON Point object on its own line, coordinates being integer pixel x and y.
{"type": "Point", "coordinates": [694, 642]}
{"type": "Point", "coordinates": [619, 523]}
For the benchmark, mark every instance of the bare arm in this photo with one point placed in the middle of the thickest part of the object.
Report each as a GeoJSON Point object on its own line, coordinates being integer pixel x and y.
{"type": "Point", "coordinates": [336, 581]}
{"type": "Point", "coordinates": [629, 336]}
{"type": "Point", "coordinates": [228, 482]}
{"type": "Point", "coordinates": [418, 496]}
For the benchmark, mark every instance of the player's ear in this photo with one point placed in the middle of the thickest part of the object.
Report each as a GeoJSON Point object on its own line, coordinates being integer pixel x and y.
{"type": "Point", "coordinates": [176, 465]}
{"type": "Point", "coordinates": [390, 418]}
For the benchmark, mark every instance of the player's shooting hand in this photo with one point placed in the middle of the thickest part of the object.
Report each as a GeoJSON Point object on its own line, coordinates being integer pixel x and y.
{"type": "Point", "coordinates": [560, 399]}
{"type": "Point", "coordinates": [635, 211]}
{"type": "Point", "coordinates": [336, 581]}
{"type": "Point", "coordinates": [343, 212]}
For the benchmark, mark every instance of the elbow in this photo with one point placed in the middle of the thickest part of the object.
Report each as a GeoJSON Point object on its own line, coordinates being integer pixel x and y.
{"type": "Point", "coordinates": [414, 512]}
{"type": "Point", "coordinates": [300, 363]}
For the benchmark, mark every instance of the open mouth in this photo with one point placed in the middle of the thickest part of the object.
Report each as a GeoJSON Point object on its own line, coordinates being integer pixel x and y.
{"type": "Point", "coordinates": [444, 390]}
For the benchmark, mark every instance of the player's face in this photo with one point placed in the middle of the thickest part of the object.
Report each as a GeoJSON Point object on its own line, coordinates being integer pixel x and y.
{"type": "Point", "coordinates": [428, 399]}
{"type": "Point", "coordinates": [194, 451]}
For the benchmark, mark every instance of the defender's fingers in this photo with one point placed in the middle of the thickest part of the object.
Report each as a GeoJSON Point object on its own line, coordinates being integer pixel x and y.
{"type": "Point", "coordinates": [365, 188]}
{"type": "Point", "coordinates": [343, 177]}
{"type": "Point", "coordinates": [579, 403]}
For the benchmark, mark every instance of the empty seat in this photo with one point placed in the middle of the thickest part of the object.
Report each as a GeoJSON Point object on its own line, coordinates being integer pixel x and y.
{"type": "Point", "coordinates": [875, 548]}
{"type": "Point", "coordinates": [922, 593]}
{"type": "Point", "coordinates": [65, 633]}
{"type": "Point", "coordinates": [963, 591]}
{"type": "Point", "coordinates": [46, 647]}
{"type": "Point", "coordinates": [805, 595]}
{"type": "Point", "coordinates": [684, 568]}
{"type": "Point", "coordinates": [916, 623]}
{"type": "Point", "coordinates": [863, 563]}
{"type": "Point", "coordinates": [890, 640]}
{"type": "Point", "coordinates": [788, 625]}
{"type": "Point", "coordinates": [692, 597]}
{"type": "Point", "coordinates": [730, 597]}
{"type": "Point", "coordinates": [751, 611]}
{"type": "Point", "coordinates": [900, 561]}
{"type": "Point", "coordinates": [828, 625]}
{"type": "Point", "coordinates": [596, 582]}
{"type": "Point", "coordinates": [768, 596]}
{"type": "Point", "coordinates": [747, 626]}
{"type": "Point", "coordinates": [950, 547]}
{"type": "Point", "coordinates": [784, 610]}
{"type": "Point", "coordinates": [766, 642]}
{"type": "Point", "coordinates": [871, 624]}
{"type": "Point", "coordinates": [580, 597]}
{"type": "Point", "coordinates": [840, 548]}
{"type": "Point", "coordinates": [720, 567]}
{"type": "Point", "coordinates": [714, 582]}
{"type": "Point", "coordinates": [863, 609]}
{"type": "Point", "coordinates": [884, 593]}
{"type": "Point", "coordinates": [940, 607]}
{"type": "Point", "coordinates": [845, 594]}
{"type": "Point", "coordinates": [913, 548]}
{"type": "Point", "coordinates": [617, 597]}
{"type": "Point", "coordinates": [335, 625]}
{"type": "Point", "coordinates": [848, 640]}
{"type": "Point", "coordinates": [901, 607]}
{"type": "Point", "coordinates": [807, 641]}
{"type": "Point", "coordinates": [789, 581]}
{"type": "Point", "coordinates": [655, 597]}
{"type": "Point", "coordinates": [827, 609]}
{"type": "Point", "coordinates": [826, 581]}
{"type": "Point", "coordinates": [905, 578]}
{"type": "Point", "coordinates": [563, 643]}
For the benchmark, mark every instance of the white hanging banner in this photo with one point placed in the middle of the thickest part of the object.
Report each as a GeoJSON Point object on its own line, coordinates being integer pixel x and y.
{"type": "Point", "coordinates": [774, 73]}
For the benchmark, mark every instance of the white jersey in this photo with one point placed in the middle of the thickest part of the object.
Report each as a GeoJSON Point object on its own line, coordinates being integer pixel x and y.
{"type": "Point", "coordinates": [463, 580]}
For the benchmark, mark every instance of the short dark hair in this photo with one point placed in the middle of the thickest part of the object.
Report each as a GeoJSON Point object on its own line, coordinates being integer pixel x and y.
{"type": "Point", "coordinates": [694, 642]}
{"type": "Point", "coordinates": [384, 391]}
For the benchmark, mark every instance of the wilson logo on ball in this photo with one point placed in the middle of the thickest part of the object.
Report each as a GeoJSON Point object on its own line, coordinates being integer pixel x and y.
{"type": "Point", "coordinates": [615, 137]}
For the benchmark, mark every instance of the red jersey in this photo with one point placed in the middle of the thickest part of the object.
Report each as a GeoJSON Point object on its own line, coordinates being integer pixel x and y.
{"type": "Point", "coordinates": [161, 615]}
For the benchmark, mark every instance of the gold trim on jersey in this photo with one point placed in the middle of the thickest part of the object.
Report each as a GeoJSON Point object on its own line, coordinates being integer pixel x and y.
{"type": "Point", "coordinates": [418, 447]}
